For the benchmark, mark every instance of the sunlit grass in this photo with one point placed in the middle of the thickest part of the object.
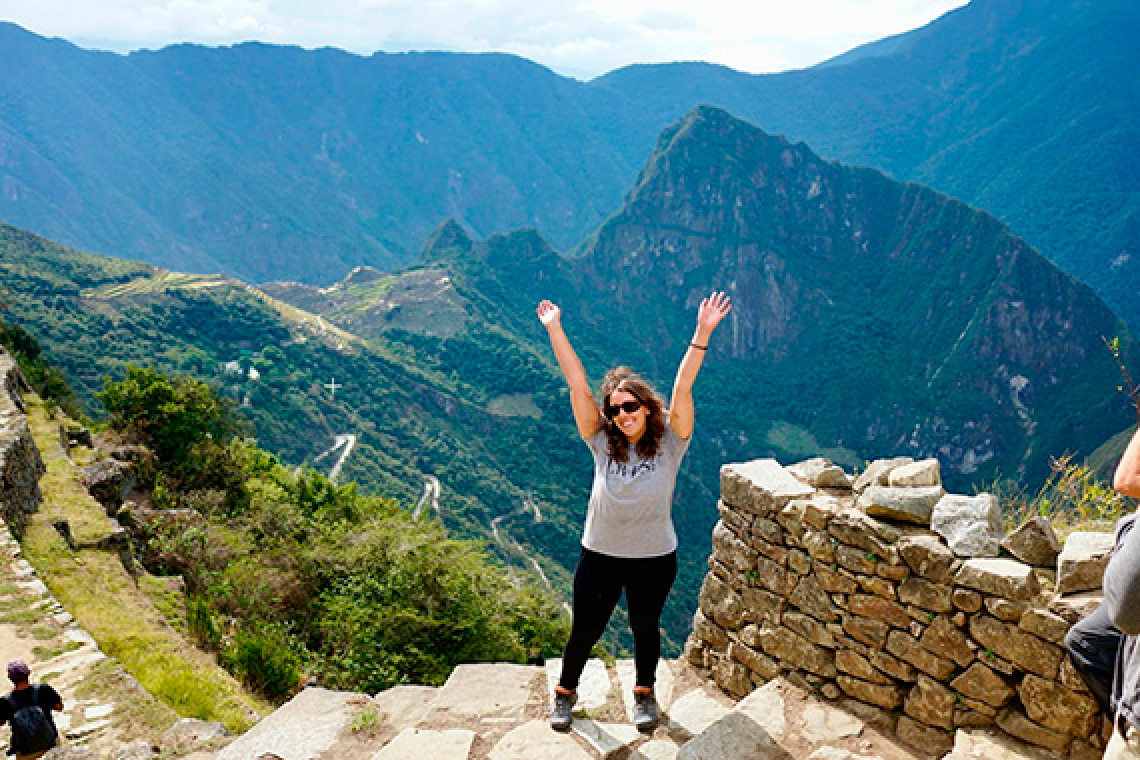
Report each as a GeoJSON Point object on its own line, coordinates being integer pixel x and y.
{"type": "Point", "coordinates": [162, 280]}
{"type": "Point", "coordinates": [99, 593]}
{"type": "Point", "coordinates": [515, 405]}
{"type": "Point", "coordinates": [1073, 498]}
{"type": "Point", "coordinates": [55, 650]}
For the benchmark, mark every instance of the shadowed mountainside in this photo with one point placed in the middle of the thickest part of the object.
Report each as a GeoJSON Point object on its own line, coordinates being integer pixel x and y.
{"type": "Point", "coordinates": [871, 318]}
{"type": "Point", "coordinates": [273, 162]}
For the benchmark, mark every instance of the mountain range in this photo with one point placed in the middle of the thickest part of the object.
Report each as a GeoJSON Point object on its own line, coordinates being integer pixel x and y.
{"type": "Point", "coordinates": [871, 318]}
{"type": "Point", "coordinates": [275, 162]}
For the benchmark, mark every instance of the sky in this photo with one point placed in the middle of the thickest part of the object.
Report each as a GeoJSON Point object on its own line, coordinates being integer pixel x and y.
{"type": "Point", "coordinates": [578, 38]}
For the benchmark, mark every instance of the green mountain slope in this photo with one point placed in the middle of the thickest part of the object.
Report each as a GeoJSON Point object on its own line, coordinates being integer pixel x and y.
{"type": "Point", "coordinates": [871, 318]}
{"type": "Point", "coordinates": [94, 315]}
{"type": "Point", "coordinates": [271, 162]}
{"type": "Point", "coordinates": [845, 281]}
{"type": "Point", "coordinates": [267, 161]}
{"type": "Point", "coordinates": [1025, 108]}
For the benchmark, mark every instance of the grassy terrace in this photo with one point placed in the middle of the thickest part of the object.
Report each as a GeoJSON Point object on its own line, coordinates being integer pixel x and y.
{"type": "Point", "coordinates": [161, 281]}
{"type": "Point", "coordinates": [141, 625]}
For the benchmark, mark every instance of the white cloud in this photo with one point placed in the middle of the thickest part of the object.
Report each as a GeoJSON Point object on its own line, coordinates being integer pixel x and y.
{"type": "Point", "coordinates": [582, 38]}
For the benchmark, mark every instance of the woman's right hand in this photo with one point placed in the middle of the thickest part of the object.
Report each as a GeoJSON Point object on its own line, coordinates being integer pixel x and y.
{"type": "Point", "coordinates": [549, 314]}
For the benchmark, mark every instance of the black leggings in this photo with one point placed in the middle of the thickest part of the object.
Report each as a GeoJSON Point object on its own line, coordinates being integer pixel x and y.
{"type": "Point", "coordinates": [598, 583]}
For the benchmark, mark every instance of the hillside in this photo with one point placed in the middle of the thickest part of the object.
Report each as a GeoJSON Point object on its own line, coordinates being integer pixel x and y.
{"type": "Point", "coordinates": [871, 318]}
{"type": "Point", "coordinates": [95, 315]}
{"type": "Point", "coordinates": [848, 286]}
{"type": "Point", "coordinates": [1026, 108]}
{"type": "Point", "coordinates": [331, 160]}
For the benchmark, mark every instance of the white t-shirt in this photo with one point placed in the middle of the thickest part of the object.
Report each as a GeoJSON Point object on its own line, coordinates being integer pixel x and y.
{"type": "Point", "coordinates": [630, 513]}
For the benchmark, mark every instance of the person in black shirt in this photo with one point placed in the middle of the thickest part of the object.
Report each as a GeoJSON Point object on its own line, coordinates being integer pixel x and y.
{"type": "Point", "coordinates": [42, 699]}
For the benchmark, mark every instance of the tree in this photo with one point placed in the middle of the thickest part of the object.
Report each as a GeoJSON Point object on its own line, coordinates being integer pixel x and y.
{"type": "Point", "coordinates": [169, 414]}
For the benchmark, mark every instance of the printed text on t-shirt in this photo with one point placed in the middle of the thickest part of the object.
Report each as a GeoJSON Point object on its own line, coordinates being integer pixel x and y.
{"type": "Point", "coordinates": [630, 470]}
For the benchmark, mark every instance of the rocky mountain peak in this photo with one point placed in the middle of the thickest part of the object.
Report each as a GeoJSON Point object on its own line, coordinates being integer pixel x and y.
{"type": "Point", "coordinates": [921, 293]}
{"type": "Point", "coordinates": [449, 241]}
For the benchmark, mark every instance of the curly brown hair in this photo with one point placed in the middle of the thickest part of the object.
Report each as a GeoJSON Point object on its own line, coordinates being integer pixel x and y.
{"type": "Point", "coordinates": [625, 379]}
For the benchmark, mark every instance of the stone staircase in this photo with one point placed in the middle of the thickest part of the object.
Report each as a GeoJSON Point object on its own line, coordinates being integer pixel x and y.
{"type": "Point", "coordinates": [499, 712]}
{"type": "Point", "coordinates": [37, 629]}
{"type": "Point", "coordinates": [484, 711]}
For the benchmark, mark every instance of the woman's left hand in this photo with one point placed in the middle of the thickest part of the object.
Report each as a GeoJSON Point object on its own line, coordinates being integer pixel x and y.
{"type": "Point", "coordinates": [712, 310]}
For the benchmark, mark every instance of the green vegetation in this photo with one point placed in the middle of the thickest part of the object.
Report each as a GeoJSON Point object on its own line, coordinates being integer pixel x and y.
{"type": "Point", "coordinates": [98, 592]}
{"type": "Point", "coordinates": [161, 281]}
{"type": "Point", "coordinates": [1073, 498]}
{"type": "Point", "coordinates": [800, 444]}
{"type": "Point", "coordinates": [291, 572]}
{"type": "Point", "coordinates": [873, 319]}
{"type": "Point", "coordinates": [172, 414]}
{"type": "Point", "coordinates": [45, 378]}
{"type": "Point", "coordinates": [365, 721]}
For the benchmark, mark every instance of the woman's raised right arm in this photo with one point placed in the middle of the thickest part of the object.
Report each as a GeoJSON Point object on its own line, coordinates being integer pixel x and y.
{"type": "Point", "coordinates": [585, 408]}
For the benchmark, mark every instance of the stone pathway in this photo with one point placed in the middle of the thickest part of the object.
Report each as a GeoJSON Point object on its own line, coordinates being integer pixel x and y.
{"type": "Point", "coordinates": [35, 628]}
{"type": "Point", "coordinates": [483, 712]}
{"type": "Point", "coordinates": [499, 712]}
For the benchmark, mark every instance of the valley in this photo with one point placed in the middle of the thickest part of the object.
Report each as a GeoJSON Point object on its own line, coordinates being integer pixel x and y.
{"type": "Point", "coordinates": [1024, 108]}
{"type": "Point", "coordinates": [871, 318]}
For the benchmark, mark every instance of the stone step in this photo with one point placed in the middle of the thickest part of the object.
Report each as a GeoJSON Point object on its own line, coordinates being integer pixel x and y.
{"type": "Point", "coordinates": [301, 729]}
{"type": "Point", "coordinates": [404, 706]}
{"type": "Point", "coordinates": [535, 741]}
{"type": "Point", "coordinates": [498, 712]}
{"type": "Point", "coordinates": [594, 687]}
{"type": "Point", "coordinates": [484, 691]}
{"type": "Point", "coordinates": [979, 744]}
{"type": "Point", "coordinates": [418, 744]}
{"type": "Point", "coordinates": [606, 739]}
{"type": "Point", "coordinates": [694, 712]}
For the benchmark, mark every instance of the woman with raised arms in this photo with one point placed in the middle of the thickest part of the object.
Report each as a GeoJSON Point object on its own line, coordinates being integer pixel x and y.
{"type": "Point", "coordinates": [628, 541]}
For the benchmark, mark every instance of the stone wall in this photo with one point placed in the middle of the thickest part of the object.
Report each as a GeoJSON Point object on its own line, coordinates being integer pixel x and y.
{"type": "Point", "coordinates": [843, 587]}
{"type": "Point", "coordinates": [20, 463]}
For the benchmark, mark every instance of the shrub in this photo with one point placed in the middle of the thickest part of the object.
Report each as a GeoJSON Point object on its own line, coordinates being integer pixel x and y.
{"type": "Point", "coordinates": [200, 622]}
{"type": "Point", "coordinates": [169, 414]}
{"type": "Point", "coordinates": [266, 660]}
{"type": "Point", "coordinates": [410, 604]}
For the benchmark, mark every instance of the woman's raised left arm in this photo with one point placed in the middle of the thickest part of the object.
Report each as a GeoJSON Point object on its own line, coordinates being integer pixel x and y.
{"type": "Point", "coordinates": [712, 310]}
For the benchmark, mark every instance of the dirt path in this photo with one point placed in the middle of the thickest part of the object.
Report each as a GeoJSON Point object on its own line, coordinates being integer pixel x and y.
{"type": "Point", "coordinates": [15, 646]}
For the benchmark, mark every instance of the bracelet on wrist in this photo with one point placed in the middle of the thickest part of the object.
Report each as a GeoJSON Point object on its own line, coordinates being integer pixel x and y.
{"type": "Point", "coordinates": [698, 346]}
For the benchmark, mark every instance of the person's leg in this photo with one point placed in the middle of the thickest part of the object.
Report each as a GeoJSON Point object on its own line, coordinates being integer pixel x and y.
{"type": "Point", "coordinates": [1092, 645]}
{"type": "Point", "coordinates": [597, 588]}
{"type": "Point", "coordinates": [647, 586]}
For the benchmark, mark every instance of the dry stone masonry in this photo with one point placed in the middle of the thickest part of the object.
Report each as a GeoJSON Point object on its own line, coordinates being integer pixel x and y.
{"type": "Point", "coordinates": [20, 463]}
{"type": "Point", "coordinates": [890, 596]}
{"type": "Point", "coordinates": [836, 612]}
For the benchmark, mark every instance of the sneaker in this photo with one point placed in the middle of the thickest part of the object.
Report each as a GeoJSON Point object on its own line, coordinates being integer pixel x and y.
{"type": "Point", "coordinates": [645, 714]}
{"type": "Point", "coordinates": [562, 713]}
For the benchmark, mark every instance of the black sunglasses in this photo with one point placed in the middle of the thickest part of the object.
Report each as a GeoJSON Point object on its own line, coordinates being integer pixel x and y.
{"type": "Point", "coordinates": [629, 407]}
